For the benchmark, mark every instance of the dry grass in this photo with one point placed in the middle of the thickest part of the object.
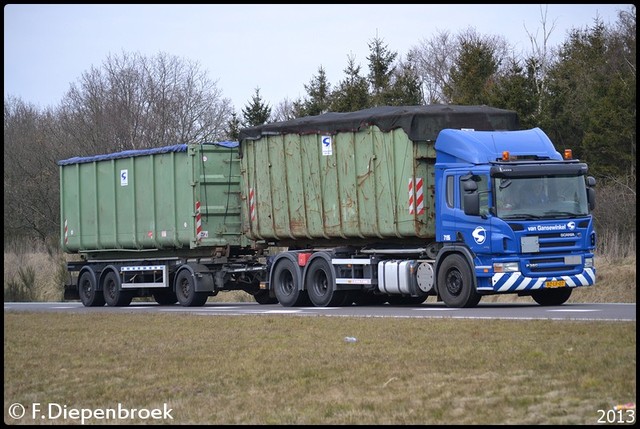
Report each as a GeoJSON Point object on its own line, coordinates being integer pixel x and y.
{"type": "Point", "coordinates": [298, 370]}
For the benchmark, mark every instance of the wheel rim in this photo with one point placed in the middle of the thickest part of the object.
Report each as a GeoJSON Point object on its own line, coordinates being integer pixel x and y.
{"type": "Point", "coordinates": [286, 282]}
{"type": "Point", "coordinates": [454, 282]}
{"type": "Point", "coordinates": [85, 288]}
{"type": "Point", "coordinates": [110, 287]}
{"type": "Point", "coordinates": [320, 283]}
{"type": "Point", "coordinates": [184, 287]}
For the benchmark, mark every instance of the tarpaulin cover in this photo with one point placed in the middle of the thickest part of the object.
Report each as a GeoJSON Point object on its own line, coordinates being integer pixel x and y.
{"type": "Point", "coordinates": [138, 152]}
{"type": "Point", "coordinates": [420, 123]}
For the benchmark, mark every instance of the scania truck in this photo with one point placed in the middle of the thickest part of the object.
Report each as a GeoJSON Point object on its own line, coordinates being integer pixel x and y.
{"type": "Point", "coordinates": [383, 205]}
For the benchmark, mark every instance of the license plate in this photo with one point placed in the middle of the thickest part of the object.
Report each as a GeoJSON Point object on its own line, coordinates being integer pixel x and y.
{"type": "Point", "coordinates": [555, 283]}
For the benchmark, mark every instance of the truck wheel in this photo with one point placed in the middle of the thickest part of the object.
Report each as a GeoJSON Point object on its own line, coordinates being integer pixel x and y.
{"type": "Point", "coordinates": [87, 289]}
{"type": "Point", "coordinates": [455, 283]}
{"type": "Point", "coordinates": [186, 291]}
{"type": "Point", "coordinates": [320, 283]}
{"type": "Point", "coordinates": [113, 295]}
{"type": "Point", "coordinates": [262, 297]}
{"type": "Point", "coordinates": [285, 284]}
{"type": "Point", "coordinates": [548, 297]}
{"type": "Point", "coordinates": [165, 296]}
{"type": "Point", "coordinates": [369, 298]}
{"type": "Point", "coordinates": [407, 300]}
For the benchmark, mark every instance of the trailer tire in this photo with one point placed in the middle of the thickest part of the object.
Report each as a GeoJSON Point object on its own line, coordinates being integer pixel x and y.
{"type": "Point", "coordinates": [547, 297]}
{"type": "Point", "coordinates": [320, 284]}
{"type": "Point", "coordinates": [88, 290]}
{"type": "Point", "coordinates": [455, 283]}
{"type": "Point", "coordinates": [114, 296]}
{"type": "Point", "coordinates": [164, 296]}
{"type": "Point", "coordinates": [285, 283]}
{"type": "Point", "coordinates": [262, 297]}
{"type": "Point", "coordinates": [186, 290]}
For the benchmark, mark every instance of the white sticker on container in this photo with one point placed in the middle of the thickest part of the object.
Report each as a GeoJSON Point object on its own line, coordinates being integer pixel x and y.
{"type": "Point", "coordinates": [327, 148]}
{"type": "Point", "coordinates": [124, 177]}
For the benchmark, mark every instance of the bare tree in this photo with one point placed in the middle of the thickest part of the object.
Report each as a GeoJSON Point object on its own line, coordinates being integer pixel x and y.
{"type": "Point", "coordinates": [541, 57]}
{"type": "Point", "coordinates": [433, 59]}
{"type": "Point", "coordinates": [31, 203]}
{"type": "Point", "coordinates": [286, 110]}
{"type": "Point", "coordinates": [136, 102]}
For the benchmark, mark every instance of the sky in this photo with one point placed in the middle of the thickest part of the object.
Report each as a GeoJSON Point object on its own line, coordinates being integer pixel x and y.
{"type": "Point", "coordinates": [274, 47]}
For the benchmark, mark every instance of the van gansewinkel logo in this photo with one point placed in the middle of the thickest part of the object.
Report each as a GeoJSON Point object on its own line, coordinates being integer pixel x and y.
{"type": "Point", "coordinates": [479, 235]}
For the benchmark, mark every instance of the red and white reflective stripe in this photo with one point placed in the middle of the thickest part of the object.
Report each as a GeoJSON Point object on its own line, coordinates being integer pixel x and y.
{"type": "Point", "coordinates": [252, 204]}
{"type": "Point", "coordinates": [66, 232]}
{"type": "Point", "coordinates": [198, 221]}
{"type": "Point", "coordinates": [416, 196]}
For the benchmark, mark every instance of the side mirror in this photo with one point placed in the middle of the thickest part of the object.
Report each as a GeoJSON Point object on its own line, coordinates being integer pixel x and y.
{"type": "Point", "coordinates": [470, 199]}
{"type": "Point", "coordinates": [591, 192]}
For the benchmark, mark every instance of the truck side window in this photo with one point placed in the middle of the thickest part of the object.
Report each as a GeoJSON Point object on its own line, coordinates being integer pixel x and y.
{"type": "Point", "coordinates": [483, 191]}
{"type": "Point", "coordinates": [450, 198]}
{"type": "Point", "coordinates": [483, 194]}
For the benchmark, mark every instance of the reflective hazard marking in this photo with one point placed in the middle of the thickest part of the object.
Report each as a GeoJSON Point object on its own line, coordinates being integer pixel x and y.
{"type": "Point", "coordinates": [252, 204]}
{"type": "Point", "coordinates": [198, 221]}
{"type": "Point", "coordinates": [66, 232]}
{"type": "Point", "coordinates": [416, 196]}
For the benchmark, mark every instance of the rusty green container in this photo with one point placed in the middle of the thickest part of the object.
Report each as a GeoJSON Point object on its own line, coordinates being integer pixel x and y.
{"type": "Point", "coordinates": [182, 197]}
{"type": "Point", "coordinates": [350, 178]}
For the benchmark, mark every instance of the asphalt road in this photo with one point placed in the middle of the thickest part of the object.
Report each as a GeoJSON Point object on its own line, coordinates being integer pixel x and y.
{"type": "Point", "coordinates": [515, 311]}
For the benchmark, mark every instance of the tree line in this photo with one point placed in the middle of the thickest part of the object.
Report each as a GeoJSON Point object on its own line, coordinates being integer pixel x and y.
{"type": "Point", "coordinates": [581, 93]}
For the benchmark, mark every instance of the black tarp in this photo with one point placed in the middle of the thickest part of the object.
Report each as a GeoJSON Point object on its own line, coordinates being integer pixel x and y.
{"type": "Point", "coordinates": [419, 122]}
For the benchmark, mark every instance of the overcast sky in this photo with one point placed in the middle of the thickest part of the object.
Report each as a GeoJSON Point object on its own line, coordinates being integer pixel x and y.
{"type": "Point", "coordinates": [277, 48]}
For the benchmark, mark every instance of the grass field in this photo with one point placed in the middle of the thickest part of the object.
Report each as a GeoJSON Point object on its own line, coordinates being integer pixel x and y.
{"type": "Point", "coordinates": [299, 370]}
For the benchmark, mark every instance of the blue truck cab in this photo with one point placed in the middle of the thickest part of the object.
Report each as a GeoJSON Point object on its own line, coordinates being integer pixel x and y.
{"type": "Point", "coordinates": [516, 212]}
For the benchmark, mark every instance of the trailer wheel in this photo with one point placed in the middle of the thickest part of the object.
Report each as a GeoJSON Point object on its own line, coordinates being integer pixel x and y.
{"type": "Point", "coordinates": [320, 283]}
{"type": "Point", "coordinates": [113, 295]}
{"type": "Point", "coordinates": [87, 289]}
{"type": "Point", "coordinates": [285, 284]}
{"type": "Point", "coordinates": [165, 296]}
{"type": "Point", "coordinates": [548, 297]}
{"type": "Point", "coordinates": [455, 283]}
{"type": "Point", "coordinates": [262, 297]}
{"type": "Point", "coordinates": [186, 290]}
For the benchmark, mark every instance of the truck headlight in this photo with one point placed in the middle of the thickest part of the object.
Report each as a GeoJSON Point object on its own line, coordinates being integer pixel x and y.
{"type": "Point", "coordinates": [505, 267]}
{"type": "Point", "coordinates": [588, 262]}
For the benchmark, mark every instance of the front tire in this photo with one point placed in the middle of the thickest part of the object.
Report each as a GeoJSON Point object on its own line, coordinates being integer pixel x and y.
{"type": "Point", "coordinates": [186, 290]}
{"type": "Point", "coordinates": [547, 297]}
{"type": "Point", "coordinates": [455, 283]}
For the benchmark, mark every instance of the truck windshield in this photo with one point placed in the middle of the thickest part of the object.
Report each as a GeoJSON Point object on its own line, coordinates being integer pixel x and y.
{"type": "Point", "coordinates": [540, 197]}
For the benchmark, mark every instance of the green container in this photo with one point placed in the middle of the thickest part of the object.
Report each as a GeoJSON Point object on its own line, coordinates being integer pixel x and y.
{"type": "Point", "coordinates": [183, 197]}
{"type": "Point", "coordinates": [350, 178]}
{"type": "Point", "coordinates": [361, 190]}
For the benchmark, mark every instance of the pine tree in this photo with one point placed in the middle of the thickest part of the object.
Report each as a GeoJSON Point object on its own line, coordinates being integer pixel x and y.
{"type": "Point", "coordinates": [380, 70]}
{"type": "Point", "coordinates": [256, 112]}
{"type": "Point", "coordinates": [352, 92]}
{"type": "Point", "coordinates": [319, 91]}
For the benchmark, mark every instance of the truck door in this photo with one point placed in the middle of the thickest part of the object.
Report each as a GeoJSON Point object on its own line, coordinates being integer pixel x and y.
{"type": "Point", "coordinates": [475, 230]}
